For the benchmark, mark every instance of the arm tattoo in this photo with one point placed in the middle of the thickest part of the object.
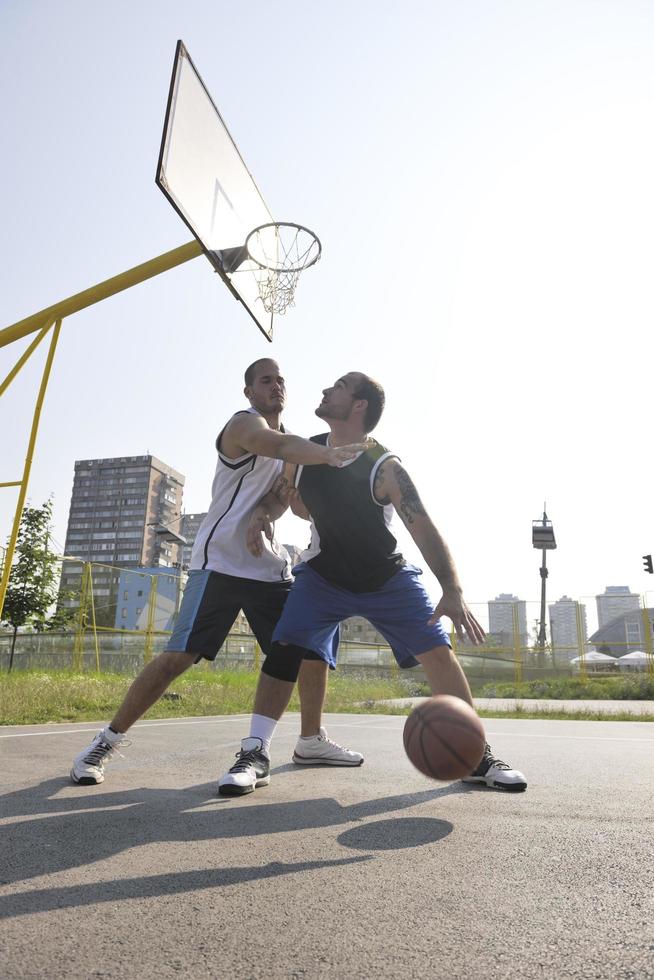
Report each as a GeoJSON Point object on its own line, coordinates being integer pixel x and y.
{"type": "Point", "coordinates": [279, 488]}
{"type": "Point", "coordinates": [378, 486]}
{"type": "Point", "coordinates": [410, 503]}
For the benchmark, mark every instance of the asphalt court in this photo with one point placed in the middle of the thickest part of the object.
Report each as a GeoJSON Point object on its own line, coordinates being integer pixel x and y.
{"type": "Point", "coordinates": [375, 871]}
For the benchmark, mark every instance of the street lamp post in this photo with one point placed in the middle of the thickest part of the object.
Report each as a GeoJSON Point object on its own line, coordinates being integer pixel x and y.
{"type": "Point", "coordinates": [542, 537]}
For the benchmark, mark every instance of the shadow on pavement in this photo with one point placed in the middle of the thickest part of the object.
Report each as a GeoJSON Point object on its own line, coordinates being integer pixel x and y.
{"type": "Point", "coordinates": [78, 830]}
{"type": "Point", "coordinates": [48, 899]}
{"type": "Point", "coordinates": [391, 835]}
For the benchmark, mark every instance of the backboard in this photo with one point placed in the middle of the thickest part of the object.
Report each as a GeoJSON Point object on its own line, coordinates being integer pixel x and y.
{"type": "Point", "coordinates": [205, 178]}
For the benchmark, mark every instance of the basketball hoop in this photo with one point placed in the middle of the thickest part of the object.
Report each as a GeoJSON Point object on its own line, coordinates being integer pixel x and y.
{"type": "Point", "coordinates": [281, 250]}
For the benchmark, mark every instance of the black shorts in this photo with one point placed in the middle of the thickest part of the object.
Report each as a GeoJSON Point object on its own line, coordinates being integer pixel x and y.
{"type": "Point", "coordinates": [210, 605]}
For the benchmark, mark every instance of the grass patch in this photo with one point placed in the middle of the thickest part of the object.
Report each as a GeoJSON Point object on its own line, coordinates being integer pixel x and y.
{"type": "Point", "coordinates": [42, 697]}
{"type": "Point", "coordinates": [552, 714]}
{"type": "Point", "coordinates": [39, 697]}
{"type": "Point", "coordinates": [636, 687]}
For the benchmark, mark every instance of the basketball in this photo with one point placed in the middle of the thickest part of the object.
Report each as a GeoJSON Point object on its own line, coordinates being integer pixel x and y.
{"type": "Point", "coordinates": [444, 738]}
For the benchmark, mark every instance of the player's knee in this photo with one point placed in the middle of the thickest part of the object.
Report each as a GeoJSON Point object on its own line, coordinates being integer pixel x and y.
{"type": "Point", "coordinates": [171, 664]}
{"type": "Point", "coordinates": [283, 662]}
{"type": "Point", "coordinates": [438, 655]}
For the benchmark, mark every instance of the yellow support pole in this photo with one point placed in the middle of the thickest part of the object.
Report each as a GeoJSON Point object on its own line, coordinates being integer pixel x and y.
{"type": "Point", "coordinates": [95, 294]}
{"type": "Point", "coordinates": [581, 643]}
{"type": "Point", "coordinates": [28, 464]}
{"type": "Point", "coordinates": [95, 627]}
{"type": "Point", "coordinates": [78, 648]}
{"type": "Point", "coordinates": [152, 605]}
{"type": "Point", "coordinates": [649, 649]}
{"type": "Point", "coordinates": [517, 649]}
{"type": "Point", "coordinates": [25, 356]}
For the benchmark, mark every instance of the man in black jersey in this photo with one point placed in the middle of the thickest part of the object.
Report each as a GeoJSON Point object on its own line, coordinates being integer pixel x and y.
{"type": "Point", "coordinates": [352, 567]}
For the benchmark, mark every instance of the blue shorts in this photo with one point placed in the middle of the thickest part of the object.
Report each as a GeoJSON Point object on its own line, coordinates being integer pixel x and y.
{"type": "Point", "coordinates": [400, 611]}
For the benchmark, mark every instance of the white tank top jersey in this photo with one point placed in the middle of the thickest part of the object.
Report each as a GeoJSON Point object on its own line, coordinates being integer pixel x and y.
{"type": "Point", "coordinates": [238, 486]}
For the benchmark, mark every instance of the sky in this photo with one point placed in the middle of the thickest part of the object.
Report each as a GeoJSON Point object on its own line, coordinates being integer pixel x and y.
{"type": "Point", "coordinates": [480, 175]}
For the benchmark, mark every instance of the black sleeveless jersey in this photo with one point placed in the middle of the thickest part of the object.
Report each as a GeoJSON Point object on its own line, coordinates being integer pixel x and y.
{"type": "Point", "coordinates": [351, 544]}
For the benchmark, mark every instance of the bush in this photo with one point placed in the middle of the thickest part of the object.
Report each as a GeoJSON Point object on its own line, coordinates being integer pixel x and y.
{"type": "Point", "coordinates": [635, 687]}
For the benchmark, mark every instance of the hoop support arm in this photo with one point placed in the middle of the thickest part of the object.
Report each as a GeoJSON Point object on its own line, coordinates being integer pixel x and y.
{"type": "Point", "coordinates": [102, 290]}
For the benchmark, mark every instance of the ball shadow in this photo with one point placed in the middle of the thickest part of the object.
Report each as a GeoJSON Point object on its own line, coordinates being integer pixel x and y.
{"type": "Point", "coordinates": [390, 835]}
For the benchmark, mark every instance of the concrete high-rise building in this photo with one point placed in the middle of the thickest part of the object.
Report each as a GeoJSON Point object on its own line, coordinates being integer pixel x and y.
{"type": "Point", "coordinates": [116, 506]}
{"type": "Point", "coordinates": [501, 619]}
{"type": "Point", "coordinates": [564, 627]}
{"type": "Point", "coordinates": [615, 601]}
{"type": "Point", "coordinates": [188, 528]}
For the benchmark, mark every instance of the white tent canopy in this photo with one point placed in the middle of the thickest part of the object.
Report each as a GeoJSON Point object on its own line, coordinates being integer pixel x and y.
{"type": "Point", "coordinates": [634, 659]}
{"type": "Point", "coordinates": [593, 657]}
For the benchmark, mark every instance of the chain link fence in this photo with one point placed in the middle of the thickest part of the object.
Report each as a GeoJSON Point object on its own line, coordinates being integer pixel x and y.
{"type": "Point", "coordinates": [119, 618]}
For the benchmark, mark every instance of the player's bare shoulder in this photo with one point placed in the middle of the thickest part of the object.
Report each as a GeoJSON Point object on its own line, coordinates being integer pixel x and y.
{"type": "Point", "coordinates": [380, 482]}
{"type": "Point", "coordinates": [393, 485]}
{"type": "Point", "coordinates": [238, 432]}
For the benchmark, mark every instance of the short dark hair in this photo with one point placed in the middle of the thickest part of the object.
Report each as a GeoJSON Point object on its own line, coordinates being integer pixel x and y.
{"type": "Point", "coordinates": [251, 371]}
{"type": "Point", "coordinates": [373, 392]}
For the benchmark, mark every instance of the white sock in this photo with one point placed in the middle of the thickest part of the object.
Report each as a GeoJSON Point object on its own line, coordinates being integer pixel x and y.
{"type": "Point", "coordinates": [263, 728]}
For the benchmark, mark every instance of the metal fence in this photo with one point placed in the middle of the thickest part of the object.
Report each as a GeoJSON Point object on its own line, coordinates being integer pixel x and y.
{"type": "Point", "coordinates": [120, 618]}
{"type": "Point", "coordinates": [605, 634]}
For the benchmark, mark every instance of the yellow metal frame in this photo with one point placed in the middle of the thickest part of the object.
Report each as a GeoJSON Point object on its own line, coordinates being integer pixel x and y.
{"type": "Point", "coordinates": [27, 468]}
{"type": "Point", "coordinates": [581, 642]}
{"type": "Point", "coordinates": [649, 647]}
{"type": "Point", "coordinates": [149, 630]}
{"type": "Point", "coordinates": [87, 600]}
{"type": "Point", "coordinates": [44, 321]}
{"type": "Point", "coordinates": [517, 648]}
{"type": "Point", "coordinates": [78, 646]}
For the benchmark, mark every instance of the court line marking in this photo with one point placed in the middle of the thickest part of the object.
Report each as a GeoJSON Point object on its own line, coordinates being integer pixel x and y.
{"type": "Point", "coordinates": [170, 723]}
{"type": "Point", "coordinates": [585, 738]}
{"type": "Point", "coordinates": [147, 724]}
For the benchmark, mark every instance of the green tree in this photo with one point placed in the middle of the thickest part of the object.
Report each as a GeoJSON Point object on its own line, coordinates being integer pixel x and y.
{"type": "Point", "coordinates": [34, 582]}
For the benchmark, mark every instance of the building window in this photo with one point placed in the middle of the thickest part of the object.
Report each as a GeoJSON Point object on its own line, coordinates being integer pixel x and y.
{"type": "Point", "coordinates": [124, 613]}
{"type": "Point", "coordinates": [125, 595]}
{"type": "Point", "coordinates": [633, 632]}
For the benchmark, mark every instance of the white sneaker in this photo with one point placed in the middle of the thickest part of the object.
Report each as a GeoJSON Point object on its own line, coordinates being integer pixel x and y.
{"type": "Point", "coordinates": [250, 771]}
{"type": "Point", "coordinates": [497, 774]}
{"type": "Point", "coordinates": [88, 766]}
{"type": "Point", "coordinates": [319, 750]}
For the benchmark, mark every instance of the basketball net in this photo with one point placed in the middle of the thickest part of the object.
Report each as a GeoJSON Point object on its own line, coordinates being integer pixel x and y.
{"type": "Point", "coordinates": [280, 252]}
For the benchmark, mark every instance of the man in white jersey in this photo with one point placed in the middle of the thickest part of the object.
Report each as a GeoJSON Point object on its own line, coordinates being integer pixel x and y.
{"type": "Point", "coordinates": [354, 568]}
{"type": "Point", "coordinates": [225, 578]}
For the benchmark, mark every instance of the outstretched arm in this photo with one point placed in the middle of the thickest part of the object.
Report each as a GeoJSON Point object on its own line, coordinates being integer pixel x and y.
{"type": "Point", "coordinates": [251, 434]}
{"type": "Point", "coordinates": [394, 485]}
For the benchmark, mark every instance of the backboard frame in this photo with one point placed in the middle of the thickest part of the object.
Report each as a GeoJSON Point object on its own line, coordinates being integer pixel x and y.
{"type": "Point", "coordinates": [264, 321]}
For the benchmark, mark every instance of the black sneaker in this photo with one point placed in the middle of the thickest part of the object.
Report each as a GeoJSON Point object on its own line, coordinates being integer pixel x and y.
{"type": "Point", "coordinates": [497, 774]}
{"type": "Point", "coordinates": [251, 770]}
